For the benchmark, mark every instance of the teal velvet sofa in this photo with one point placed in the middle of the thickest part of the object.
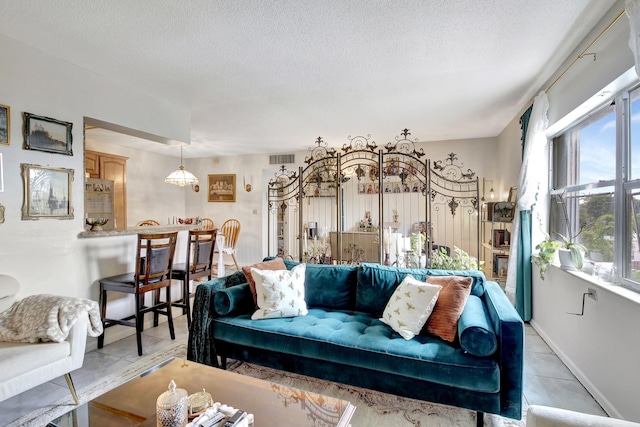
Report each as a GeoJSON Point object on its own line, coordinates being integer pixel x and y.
{"type": "Point", "coordinates": [342, 339]}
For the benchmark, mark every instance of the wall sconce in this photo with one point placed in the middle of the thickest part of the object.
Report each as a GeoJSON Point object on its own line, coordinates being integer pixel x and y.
{"type": "Point", "coordinates": [492, 194]}
{"type": "Point", "coordinates": [195, 188]}
{"type": "Point", "coordinates": [247, 187]}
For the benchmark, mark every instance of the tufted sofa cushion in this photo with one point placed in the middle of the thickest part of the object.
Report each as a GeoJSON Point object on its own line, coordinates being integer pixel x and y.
{"type": "Point", "coordinates": [361, 340]}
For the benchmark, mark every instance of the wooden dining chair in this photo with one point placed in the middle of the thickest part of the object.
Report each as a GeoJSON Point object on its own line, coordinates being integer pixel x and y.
{"type": "Point", "coordinates": [198, 264]}
{"type": "Point", "coordinates": [231, 230]}
{"type": "Point", "coordinates": [207, 224]}
{"type": "Point", "coordinates": [154, 263]}
{"type": "Point", "coordinates": [148, 222]}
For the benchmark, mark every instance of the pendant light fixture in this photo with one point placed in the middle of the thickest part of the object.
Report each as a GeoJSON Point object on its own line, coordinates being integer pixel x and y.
{"type": "Point", "coordinates": [181, 177]}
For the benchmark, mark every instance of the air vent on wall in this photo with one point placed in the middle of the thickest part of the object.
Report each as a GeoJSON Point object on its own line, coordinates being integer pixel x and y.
{"type": "Point", "coordinates": [281, 159]}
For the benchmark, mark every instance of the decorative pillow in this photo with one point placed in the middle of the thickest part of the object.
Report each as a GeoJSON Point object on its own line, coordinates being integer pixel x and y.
{"type": "Point", "coordinates": [443, 322]}
{"type": "Point", "coordinates": [280, 293]}
{"type": "Point", "coordinates": [410, 306]}
{"type": "Point", "coordinates": [274, 264]}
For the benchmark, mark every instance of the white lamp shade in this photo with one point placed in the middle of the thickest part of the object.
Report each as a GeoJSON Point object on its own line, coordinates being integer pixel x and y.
{"type": "Point", "coordinates": [181, 177]}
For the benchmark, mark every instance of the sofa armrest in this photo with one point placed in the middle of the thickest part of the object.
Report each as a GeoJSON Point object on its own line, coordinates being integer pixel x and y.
{"type": "Point", "coordinates": [509, 330]}
{"type": "Point", "coordinates": [78, 341]}
{"type": "Point", "coordinates": [201, 348]}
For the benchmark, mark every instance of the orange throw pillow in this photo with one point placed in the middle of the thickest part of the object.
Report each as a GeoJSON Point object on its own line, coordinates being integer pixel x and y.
{"type": "Point", "coordinates": [443, 321]}
{"type": "Point", "coordinates": [274, 264]}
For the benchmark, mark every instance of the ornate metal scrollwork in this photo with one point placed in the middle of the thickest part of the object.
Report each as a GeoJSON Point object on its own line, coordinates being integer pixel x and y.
{"type": "Point", "coordinates": [321, 151]}
{"type": "Point", "coordinates": [283, 177]}
{"type": "Point", "coordinates": [360, 143]}
{"type": "Point", "coordinates": [452, 171]}
{"type": "Point", "coordinates": [404, 145]}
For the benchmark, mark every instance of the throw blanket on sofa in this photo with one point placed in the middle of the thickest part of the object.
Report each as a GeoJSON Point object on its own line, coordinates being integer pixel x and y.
{"type": "Point", "coordinates": [43, 318]}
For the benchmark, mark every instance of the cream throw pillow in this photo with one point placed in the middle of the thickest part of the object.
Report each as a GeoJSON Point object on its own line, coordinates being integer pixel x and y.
{"type": "Point", "coordinates": [410, 306]}
{"type": "Point", "coordinates": [280, 293]}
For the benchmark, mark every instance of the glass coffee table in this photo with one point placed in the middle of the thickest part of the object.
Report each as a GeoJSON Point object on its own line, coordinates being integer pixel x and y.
{"type": "Point", "coordinates": [134, 402]}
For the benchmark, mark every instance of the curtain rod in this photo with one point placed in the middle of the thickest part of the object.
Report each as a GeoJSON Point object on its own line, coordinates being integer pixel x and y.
{"type": "Point", "coordinates": [585, 50]}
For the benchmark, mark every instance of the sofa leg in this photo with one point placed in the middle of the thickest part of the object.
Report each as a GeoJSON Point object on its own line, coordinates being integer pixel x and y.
{"type": "Point", "coordinates": [67, 377]}
{"type": "Point", "coordinates": [480, 419]}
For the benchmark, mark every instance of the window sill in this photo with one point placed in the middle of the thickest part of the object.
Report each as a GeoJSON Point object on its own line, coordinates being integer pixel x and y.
{"type": "Point", "coordinates": [617, 289]}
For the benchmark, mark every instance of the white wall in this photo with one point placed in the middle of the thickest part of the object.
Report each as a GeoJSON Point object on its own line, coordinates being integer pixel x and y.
{"type": "Point", "coordinates": [46, 256]}
{"type": "Point", "coordinates": [602, 348]}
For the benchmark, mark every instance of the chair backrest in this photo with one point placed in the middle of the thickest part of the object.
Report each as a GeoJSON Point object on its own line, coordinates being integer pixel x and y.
{"type": "Point", "coordinates": [230, 229]}
{"type": "Point", "coordinates": [148, 222]}
{"type": "Point", "coordinates": [200, 252]}
{"type": "Point", "coordinates": [207, 224]}
{"type": "Point", "coordinates": [154, 260]}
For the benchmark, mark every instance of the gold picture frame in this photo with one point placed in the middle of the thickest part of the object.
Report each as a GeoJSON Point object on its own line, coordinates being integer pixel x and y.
{"type": "Point", "coordinates": [47, 192]}
{"type": "Point", "coordinates": [5, 124]}
{"type": "Point", "coordinates": [221, 187]}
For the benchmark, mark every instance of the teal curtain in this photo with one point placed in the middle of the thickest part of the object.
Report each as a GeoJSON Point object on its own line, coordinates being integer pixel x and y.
{"type": "Point", "coordinates": [523, 277]}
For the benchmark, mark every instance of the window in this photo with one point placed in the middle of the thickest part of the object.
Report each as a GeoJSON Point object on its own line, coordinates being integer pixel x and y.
{"type": "Point", "coordinates": [596, 186]}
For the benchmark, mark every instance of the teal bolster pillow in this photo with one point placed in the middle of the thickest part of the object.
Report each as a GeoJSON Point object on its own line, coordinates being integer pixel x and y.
{"type": "Point", "coordinates": [475, 332]}
{"type": "Point", "coordinates": [238, 299]}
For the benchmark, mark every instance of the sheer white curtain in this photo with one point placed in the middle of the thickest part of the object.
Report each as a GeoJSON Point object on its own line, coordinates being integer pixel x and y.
{"type": "Point", "coordinates": [632, 8]}
{"type": "Point", "coordinates": [532, 183]}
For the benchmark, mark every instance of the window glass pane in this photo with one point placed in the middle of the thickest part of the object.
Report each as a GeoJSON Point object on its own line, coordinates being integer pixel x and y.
{"type": "Point", "coordinates": [635, 136]}
{"type": "Point", "coordinates": [598, 149]}
{"type": "Point", "coordinates": [633, 236]}
{"type": "Point", "coordinates": [597, 222]}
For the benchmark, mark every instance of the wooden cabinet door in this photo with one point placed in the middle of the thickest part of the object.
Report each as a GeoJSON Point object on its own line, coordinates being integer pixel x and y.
{"type": "Point", "coordinates": [92, 164]}
{"type": "Point", "coordinates": [115, 168]}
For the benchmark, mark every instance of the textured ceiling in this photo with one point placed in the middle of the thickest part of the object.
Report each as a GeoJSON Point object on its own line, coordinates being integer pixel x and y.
{"type": "Point", "coordinates": [273, 75]}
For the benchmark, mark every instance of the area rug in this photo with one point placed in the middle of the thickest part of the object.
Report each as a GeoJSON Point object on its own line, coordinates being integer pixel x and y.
{"type": "Point", "coordinates": [372, 408]}
{"type": "Point", "coordinates": [375, 408]}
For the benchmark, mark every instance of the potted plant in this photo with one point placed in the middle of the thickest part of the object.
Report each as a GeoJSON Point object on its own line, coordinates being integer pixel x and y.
{"type": "Point", "coordinates": [570, 252]}
{"type": "Point", "coordinates": [546, 254]}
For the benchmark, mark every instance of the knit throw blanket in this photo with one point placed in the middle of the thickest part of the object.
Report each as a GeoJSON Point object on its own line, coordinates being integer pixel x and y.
{"type": "Point", "coordinates": [45, 318]}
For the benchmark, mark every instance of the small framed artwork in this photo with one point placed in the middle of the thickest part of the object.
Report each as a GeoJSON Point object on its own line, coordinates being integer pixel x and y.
{"type": "Point", "coordinates": [222, 187]}
{"type": "Point", "coordinates": [47, 192]}
{"type": "Point", "coordinates": [369, 188]}
{"type": "Point", "coordinates": [5, 124]}
{"type": "Point", "coordinates": [47, 134]}
{"type": "Point", "coordinates": [500, 265]}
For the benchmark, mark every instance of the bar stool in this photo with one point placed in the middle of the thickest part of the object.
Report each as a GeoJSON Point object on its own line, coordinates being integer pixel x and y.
{"type": "Point", "coordinates": [154, 260]}
{"type": "Point", "coordinates": [199, 260]}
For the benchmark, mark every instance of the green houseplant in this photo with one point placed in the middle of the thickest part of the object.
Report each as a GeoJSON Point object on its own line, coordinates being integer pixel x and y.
{"type": "Point", "coordinates": [546, 253]}
{"type": "Point", "coordinates": [570, 252]}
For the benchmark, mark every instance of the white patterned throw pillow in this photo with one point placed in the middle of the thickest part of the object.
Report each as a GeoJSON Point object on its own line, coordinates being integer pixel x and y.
{"type": "Point", "coordinates": [410, 306]}
{"type": "Point", "coordinates": [280, 293]}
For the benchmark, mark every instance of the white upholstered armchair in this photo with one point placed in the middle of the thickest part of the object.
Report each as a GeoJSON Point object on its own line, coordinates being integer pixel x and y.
{"type": "Point", "coordinates": [24, 365]}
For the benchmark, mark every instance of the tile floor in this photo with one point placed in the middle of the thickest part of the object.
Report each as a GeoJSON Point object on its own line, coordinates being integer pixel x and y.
{"type": "Point", "coordinates": [547, 380]}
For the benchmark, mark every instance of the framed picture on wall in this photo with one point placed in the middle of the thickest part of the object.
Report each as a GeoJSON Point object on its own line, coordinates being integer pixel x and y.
{"type": "Point", "coordinates": [47, 192]}
{"type": "Point", "coordinates": [5, 124]}
{"type": "Point", "coordinates": [222, 187]}
{"type": "Point", "coordinates": [47, 134]}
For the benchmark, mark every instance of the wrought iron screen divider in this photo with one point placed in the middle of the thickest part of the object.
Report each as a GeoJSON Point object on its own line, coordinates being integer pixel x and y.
{"type": "Point", "coordinates": [365, 204]}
